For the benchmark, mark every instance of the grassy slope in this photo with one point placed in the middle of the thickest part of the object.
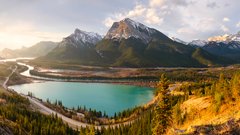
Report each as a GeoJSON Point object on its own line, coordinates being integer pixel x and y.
{"type": "Point", "coordinates": [7, 126]}
{"type": "Point", "coordinates": [209, 59]}
{"type": "Point", "coordinates": [202, 119]}
{"type": "Point", "coordinates": [162, 53]}
{"type": "Point", "coordinates": [18, 117]}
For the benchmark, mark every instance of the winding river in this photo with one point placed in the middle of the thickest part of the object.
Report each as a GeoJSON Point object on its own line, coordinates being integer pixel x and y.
{"type": "Point", "coordinates": [105, 97]}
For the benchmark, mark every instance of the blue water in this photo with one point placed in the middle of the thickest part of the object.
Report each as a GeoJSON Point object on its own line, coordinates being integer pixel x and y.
{"type": "Point", "coordinates": [110, 98]}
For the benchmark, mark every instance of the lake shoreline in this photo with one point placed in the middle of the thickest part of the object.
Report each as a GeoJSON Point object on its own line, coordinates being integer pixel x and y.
{"type": "Point", "coordinates": [141, 83]}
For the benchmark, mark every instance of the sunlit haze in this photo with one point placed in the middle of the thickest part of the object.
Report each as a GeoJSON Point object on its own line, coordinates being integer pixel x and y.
{"type": "Point", "coordinates": [26, 22]}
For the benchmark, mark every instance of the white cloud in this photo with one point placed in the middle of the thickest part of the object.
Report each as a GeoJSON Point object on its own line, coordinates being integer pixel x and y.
{"type": "Point", "coordinates": [108, 22]}
{"type": "Point", "coordinates": [152, 13]}
{"type": "Point", "coordinates": [156, 3]}
{"type": "Point", "coordinates": [224, 28]}
{"type": "Point", "coordinates": [185, 30]}
{"type": "Point", "coordinates": [212, 5]}
{"type": "Point", "coordinates": [225, 19]}
{"type": "Point", "coordinates": [161, 3]}
{"type": "Point", "coordinates": [238, 25]}
{"type": "Point", "coordinates": [186, 19]}
{"type": "Point", "coordinates": [152, 17]}
{"type": "Point", "coordinates": [206, 24]}
{"type": "Point", "coordinates": [180, 2]}
{"type": "Point", "coordinates": [138, 11]}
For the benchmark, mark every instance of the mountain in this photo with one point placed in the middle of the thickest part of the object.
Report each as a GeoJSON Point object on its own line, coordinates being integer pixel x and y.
{"type": "Point", "coordinates": [37, 50]}
{"type": "Point", "coordinates": [179, 40]}
{"type": "Point", "coordinates": [8, 53]}
{"type": "Point", "coordinates": [128, 44]}
{"type": "Point", "coordinates": [132, 44]}
{"type": "Point", "coordinates": [209, 59]}
{"type": "Point", "coordinates": [226, 45]}
{"type": "Point", "coordinates": [81, 39]}
{"type": "Point", "coordinates": [227, 49]}
{"type": "Point", "coordinates": [226, 38]}
{"type": "Point", "coordinates": [198, 43]}
{"type": "Point", "coordinates": [128, 28]}
{"type": "Point", "coordinates": [79, 47]}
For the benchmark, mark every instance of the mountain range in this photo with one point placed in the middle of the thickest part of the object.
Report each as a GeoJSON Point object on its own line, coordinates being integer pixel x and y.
{"type": "Point", "coordinates": [226, 46]}
{"type": "Point", "coordinates": [37, 50]}
{"type": "Point", "coordinates": [132, 44]}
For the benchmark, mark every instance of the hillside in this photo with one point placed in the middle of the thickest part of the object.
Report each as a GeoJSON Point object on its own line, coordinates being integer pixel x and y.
{"type": "Point", "coordinates": [18, 116]}
{"type": "Point", "coordinates": [210, 107]}
{"type": "Point", "coordinates": [209, 59]}
{"type": "Point", "coordinates": [200, 117]}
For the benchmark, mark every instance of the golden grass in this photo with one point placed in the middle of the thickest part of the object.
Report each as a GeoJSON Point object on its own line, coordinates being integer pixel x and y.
{"type": "Point", "coordinates": [2, 90]}
{"type": "Point", "coordinates": [200, 112]}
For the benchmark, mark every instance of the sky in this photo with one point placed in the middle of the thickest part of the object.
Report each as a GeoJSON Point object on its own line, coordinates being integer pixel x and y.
{"type": "Point", "coordinates": [26, 22]}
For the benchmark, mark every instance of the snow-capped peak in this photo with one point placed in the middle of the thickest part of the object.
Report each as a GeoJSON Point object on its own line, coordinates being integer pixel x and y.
{"type": "Point", "coordinates": [198, 42]}
{"type": "Point", "coordinates": [128, 28]}
{"type": "Point", "coordinates": [219, 38]}
{"type": "Point", "coordinates": [235, 37]}
{"type": "Point", "coordinates": [81, 38]}
{"type": "Point", "coordinates": [178, 40]}
{"type": "Point", "coordinates": [134, 24]}
{"type": "Point", "coordinates": [226, 38]}
{"type": "Point", "coordinates": [86, 37]}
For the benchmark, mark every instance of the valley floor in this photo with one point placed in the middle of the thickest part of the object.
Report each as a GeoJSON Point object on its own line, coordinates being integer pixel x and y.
{"type": "Point", "coordinates": [197, 108]}
{"type": "Point", "coordinates": [39, 106]}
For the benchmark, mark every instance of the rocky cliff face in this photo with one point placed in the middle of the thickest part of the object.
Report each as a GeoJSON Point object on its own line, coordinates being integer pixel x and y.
{"type": "Point", "coordinates": [128, 28]}
{"type": "Point", "coordinates": [81, 38]}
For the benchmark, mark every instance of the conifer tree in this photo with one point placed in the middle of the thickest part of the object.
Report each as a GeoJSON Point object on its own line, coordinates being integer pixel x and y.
{"type": "Point", "coordinates": [163, 110]}
{"type": "Point", "coordinates": [235, 86]}
{"type": "Point", "coordinates": [91, 131]}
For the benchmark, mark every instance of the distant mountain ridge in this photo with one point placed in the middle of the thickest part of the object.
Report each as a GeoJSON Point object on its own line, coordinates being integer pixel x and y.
{"type": "Point", "coordinates": [229, 49]}
{"type": "Point", "coordinates": [37, 50]}
{"type": "Point", "coordinates": [227, 46]}
{"type": "Point", "coordinates": [179, 40]}
{"type": "Point", "coordinates": [226, 38]}
{"type": "Point", "coordinates": [129, 44]}
{"type": "Point", "coordinates": [198, 43]}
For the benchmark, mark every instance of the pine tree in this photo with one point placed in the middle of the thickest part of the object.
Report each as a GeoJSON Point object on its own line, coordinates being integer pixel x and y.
{"type": "Point", "coordinates": [235, 86]}
{"type": "Point", "coordinates": [91, 131]}
{"type": "Point", "coordinates": [177, 114]}
{"type": "Point", "coordinates": [163, 110]}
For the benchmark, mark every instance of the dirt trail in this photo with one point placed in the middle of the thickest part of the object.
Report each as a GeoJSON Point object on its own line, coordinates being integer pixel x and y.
{"type": "Point", "coordinates": [7, 79]}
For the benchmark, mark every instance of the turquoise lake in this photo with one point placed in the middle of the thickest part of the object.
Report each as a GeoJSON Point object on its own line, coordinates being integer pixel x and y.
{"type": "Point", "coordinates": [110, 98]}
